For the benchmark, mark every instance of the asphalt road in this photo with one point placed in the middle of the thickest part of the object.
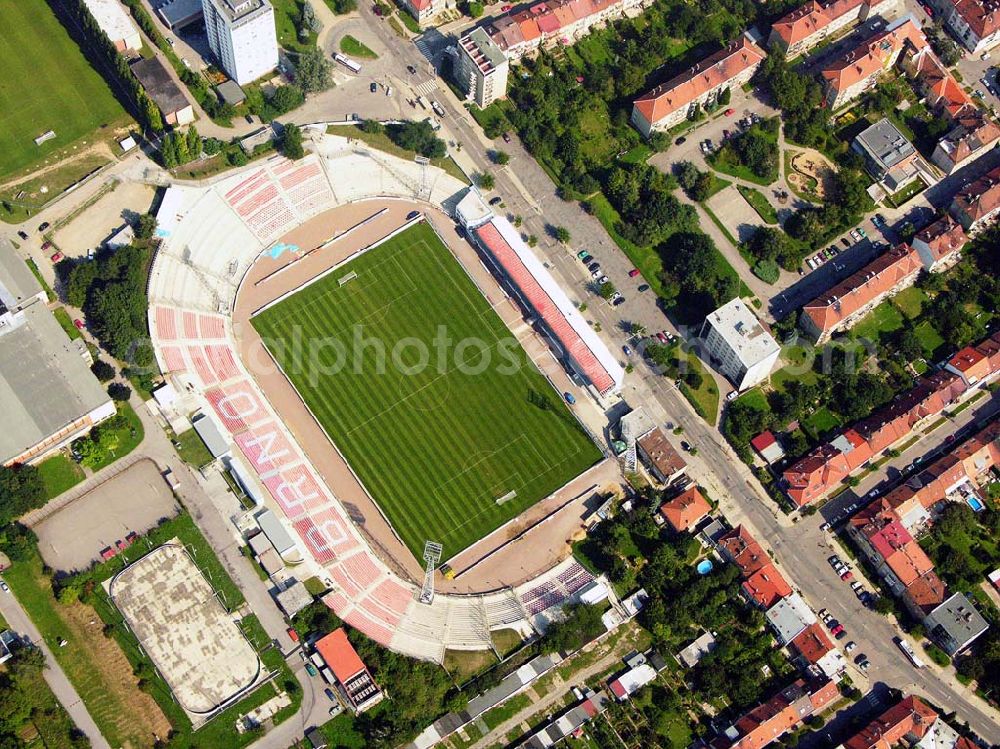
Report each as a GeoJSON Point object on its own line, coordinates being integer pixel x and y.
{"type": "Point", "coordinates": [18, 621]}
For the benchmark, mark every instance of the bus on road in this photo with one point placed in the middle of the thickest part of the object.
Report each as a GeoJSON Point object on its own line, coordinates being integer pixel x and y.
{"type": "Point", "coordinates": [348, 63]}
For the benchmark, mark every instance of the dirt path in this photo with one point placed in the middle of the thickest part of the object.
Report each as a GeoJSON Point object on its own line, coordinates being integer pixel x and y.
{"type": "Point", "coordinates": [100, 148]}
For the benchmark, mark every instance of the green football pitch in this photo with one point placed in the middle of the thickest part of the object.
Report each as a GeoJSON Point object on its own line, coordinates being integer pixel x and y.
{"type": "Point", "coordinates": [46, 84]}
{"type": "Point", "coordinates": [451, 440]}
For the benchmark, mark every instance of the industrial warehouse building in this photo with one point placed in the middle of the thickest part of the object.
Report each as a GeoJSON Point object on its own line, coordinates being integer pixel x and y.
{"type": "Point", "coordinates": [48, 395]}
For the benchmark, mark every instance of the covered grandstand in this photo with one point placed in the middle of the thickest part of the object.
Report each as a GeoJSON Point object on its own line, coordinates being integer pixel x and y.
{"type": "Point", "coordinates": [538, 292]}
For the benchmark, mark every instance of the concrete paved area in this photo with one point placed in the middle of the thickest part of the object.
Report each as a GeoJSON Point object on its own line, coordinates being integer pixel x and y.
{"type": "Point", "coordinates": [736, 214]}
{"type": "Point", "coordinates": [196, 645]}
{"type": "Point", "coordinates": [91, 227]}
{"type": "Point", "coordinates": [134, 500]}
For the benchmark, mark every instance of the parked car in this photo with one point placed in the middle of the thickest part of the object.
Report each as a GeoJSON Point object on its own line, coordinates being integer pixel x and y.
{"type": "Point", "coordinates": [78, 324]}
{"type": "Point", "coordinates": [832, 623]}
{"type": "Point", "coordinates": [4, 587]}
{"type": "Point", "coordinates": [602, 280]}
{"type": "Point", "coordinates": [730, 112]}
{"type": "Point", "coordinates": [680, 141]}
{"type": "Point", "coordinates": [822, 613]}
{"type": "Point", "coordinates": [412, 215]}
{"type": "Point", "coordinates": [311, 669]}
{"type": "Point", "coordinates": [643, 287]}
{"type": "Point", "coordinates": [864, 664]}
{"type": "Point", "coordinates": [619, 300]}
{"type": "Point", "coordinates": [583, 255]}
{"type": "Point", "coordinates": [56, 258]}
{"type": "Point", "coordinates": [594, 266]}
{"type": "Point", "coordinates": [633, 273]}
{"type": "Point", "coordinates": [662, 338]}
{"type": "Point", "coordinates": [856, 586]}
{"type": "Point", "coordinates": [615, 297]}
{"type": "Point", "coordinates": [840, 635]}
{"type": "Point", "coordinates": [825, 527]}
{"type": "Point", "coordinates": [849, 647]}
{"type": "Point", "coordinates": [22, 234]}
{"type": "Point", "coordinates": [329, 694]}
{"type": "Point", "coordinates": [496, 201]}
{"type": "Point", "coordinates": [837, 630]}
{"type": "Point", "coordinates": [410, 69]}
{"type": "Point", "coordinates": [846, 575]}
{"type": "Point", "coordinates": [43, 226]}
{"type": "Point", "coordinates": [627, 351]}
{"type": "Point", "coordinates": [570, 398]}
{"type": "Point", "coordinates": [862, 232]}
{"type": "Point", "coordinates": [373, 87]}
{"type": "Point", "coordinates": [595, 274]}
{"type": "Point", "coordinates": [731, 396]}
{"type": "Point", "coordinates": [685, 446]}
{"type": "Point", "coordinates": [860, 657]}
{"type": "Point", "coordinates": [506, 137]}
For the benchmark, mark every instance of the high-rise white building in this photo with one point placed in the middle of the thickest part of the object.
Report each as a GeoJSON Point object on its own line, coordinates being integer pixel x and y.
{"type": "Point", "coordinates": [482, 68]}
{"type": "Point", "coordinates": [739, 344]}
{"type": "Point", "coordinates": [242, 36]}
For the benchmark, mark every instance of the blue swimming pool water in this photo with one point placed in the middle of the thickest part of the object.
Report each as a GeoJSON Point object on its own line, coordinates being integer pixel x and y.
{"type": "Point", "coordinates": [975, 504]}
{"type": "Point", "coordinates": [704, 566]}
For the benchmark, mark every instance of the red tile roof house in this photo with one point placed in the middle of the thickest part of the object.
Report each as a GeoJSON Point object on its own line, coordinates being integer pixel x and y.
{"type": "Point", "coordinates": [813, 649]}
{"type": "Point", "coordinates": [979, 364]}
{"type": "Point", "coordinates": [782, 713]}
{"type": "Point", "coordinates": [977, 204]}
{"type": "Point", "coordinates": [809, 24]}
{"type": "Point", "coordinates": [842, 306]}
{"type": "Point", "coordinates": [767, 447]}
{"type": "Point", "coordinates": [686, 510]}
{"type": "Point", "coordinates": [821, 469]}
{"type": "Point", "coordinates": [353, 678]}
{"type": "Point", "coordinates": [975, 23]}
{"type": "Point", "coordinates": [425, 10]}
{"type": "Point", "coordinates": [763, 585]}
{"type": "Point", "coordinates": [940, 244]}
{"type": "Point", "coordinates": [670, 103]}
{"type": "Point", "coordinates": [974, 133]}
{"type": "Point", "coordinates": [909, 719]}
{"type": "Point", "coordinates": [858, 70]}
{"type": "Point", "coordinates": [551, 22]}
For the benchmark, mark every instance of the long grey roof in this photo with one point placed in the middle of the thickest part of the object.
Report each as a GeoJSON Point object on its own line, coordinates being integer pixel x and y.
{"type": "Point", "coordinates": [45, 384]}
{"type": "Point", "coordinates": [17, 282]}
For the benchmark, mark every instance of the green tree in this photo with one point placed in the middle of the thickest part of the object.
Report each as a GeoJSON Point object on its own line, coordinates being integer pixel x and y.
{"type": "Point", "coordinates": [21, 489]}
{"type": "Point", "coordinates": [485, 180]}
{"type": "Point", "coordinates": [562, 234]}
{"type": "Point", "coordinates": [291, 141]}
{"type": "Point", "coordinates": [102, 370]}
{"type": "Point", "coordinates": [501, 157]}
{"type": "Point", "coordinates": [313, 70]}
{"type": "Point", "coordinates": [193, 142]}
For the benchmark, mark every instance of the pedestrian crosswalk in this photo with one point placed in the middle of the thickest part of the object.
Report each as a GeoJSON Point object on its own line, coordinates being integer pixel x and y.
{"type": "Point", "coordinates": [427, 88]}
{"type": "Point", "coordinates": [425, 48]}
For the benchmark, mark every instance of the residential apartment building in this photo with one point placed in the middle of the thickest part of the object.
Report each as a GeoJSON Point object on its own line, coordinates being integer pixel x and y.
{"type": "Point", "coordinates": [974, 133]}
{"type": "Point", "coordinates": [115, 23]}
{"type": "Point", "coordinates": [808, 25]}
{"type": "Point", "coordinates": [940, 244]}
{"type": "Point", "coordinates": [242, 37]}
{"type": "Point", "coordinates": [660, 457]}
{"type": "Point", "coordinates": [977, 204]}
{"type": "Point", "coordinates": [672, 102]}
{"type": "Point", "coordinates": [482, 68]}
{"type": "Point", "coordinates": [905, 723]}
{"type": "Point", "coordinates": [977, 365]}
{"type": "Point", "coordinates": [784, 712]}
{"type": "Point", "coordinates": [860, 69]}
{"type": "Point", "coordinates": [739, 344]}
{"type": "Point", "coordinates": [524, 30]}
{"type": "Point", "coordinates": [955, 624]}
{"type": "Point", "coordinates": [814, 652]}
{"type": "Point", "coordinates": [825, 466]}
{"type": "Point", "coordinates": [889, 157]}
{"type": "Point", "coordinates": [975, 23]}
{"type": "Point", "coordinates": [763, 585]}
{"type": "Point", "coordinates": [686, 510]}
{"type": "Point", "coordinates": [844, 305]}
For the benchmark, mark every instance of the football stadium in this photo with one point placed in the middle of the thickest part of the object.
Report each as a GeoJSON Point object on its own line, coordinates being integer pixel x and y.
{"type": "Point", "coordinates": [374, 384]}
{"type": "Point", "coordinates": [449, 449]}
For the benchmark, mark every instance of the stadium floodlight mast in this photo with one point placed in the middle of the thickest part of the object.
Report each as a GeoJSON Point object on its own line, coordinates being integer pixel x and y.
{"type": "Point", "coordinates": [432, 555]}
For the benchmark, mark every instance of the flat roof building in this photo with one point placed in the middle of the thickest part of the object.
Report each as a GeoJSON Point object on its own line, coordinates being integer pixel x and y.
{"type": "Point", "coordinates": [482, 68]}
{"type": "Point", "coordinates": [740, 344]}
{"type": "Point", "coordinates": [164, 92]}
{"type": "Point", "coordinates": [48, 395]}
{"type": "Point", "coordinates": [242, 36]}
{"type": "Point", "coordinates": [177, 14]}
{"type": "Point", "coordinates": [887, 152]}
{"type": "Point", "coordinates": [955, 624]}
{"type": "Point", "coordinates": [115, 23]}
{"type": "Point", "coordinates": [353, 678]}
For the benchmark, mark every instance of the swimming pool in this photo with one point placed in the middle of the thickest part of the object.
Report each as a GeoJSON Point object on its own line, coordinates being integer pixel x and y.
{"type": "Point", "coordinates": [975, 504]}
{"type": "Point", "coordinates": [704, 566]}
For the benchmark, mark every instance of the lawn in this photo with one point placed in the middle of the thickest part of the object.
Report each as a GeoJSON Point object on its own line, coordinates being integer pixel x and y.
{"type": "Point", "coordinates": [192, 449]}
{"type": "Point", "coordinates": [819, 422]}
{"type": "Point", "coordinates": [450, 446]}
{"type": "Point", "coordinates": [59, 473]}
{"type": "Point", "coordinates": [898, 199]}
{"type": "Point", "coordinates": [286, 18]}
{"type": "Point", "coordinates": [66, 323]}
{"type": "Point", "coordinates": [464, 664]}
{"type": "Point", "coordinates": [884, 319]}
{"type": "Point", "coordinates": [910, 301]}
{"type": "Point", "coordinates": [758, 201]}
{"type": "Point", "coordinates": [47, 85]}
{"type": "Point", "coordinates": [704, 398]}
{"type": "Point", "coordinates": [930, 339]}
{"type": "Point", "coordinates": [356, 48]}
{"type": "Point", "coordinates": [129, 438]}
{"type": "Point", "coordinates": [381, 142]}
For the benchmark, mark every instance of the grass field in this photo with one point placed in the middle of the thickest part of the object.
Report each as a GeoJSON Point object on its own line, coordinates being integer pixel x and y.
{"type": "Point", "coordinates": [438, 446]}
{"type": "Point", "coordinates": [47, 85]}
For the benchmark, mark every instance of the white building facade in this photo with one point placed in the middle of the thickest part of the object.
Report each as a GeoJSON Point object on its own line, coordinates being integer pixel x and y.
{"type": "Point", "coordinates": [482, 68]}
{"type": "Point", "coordinates": [739, 345]}
{"type": "Point", "coordinates": [241, 33]}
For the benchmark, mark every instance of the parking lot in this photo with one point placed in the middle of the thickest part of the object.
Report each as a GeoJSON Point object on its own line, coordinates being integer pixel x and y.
{"type": "Point", "coordinates": [132, 501]}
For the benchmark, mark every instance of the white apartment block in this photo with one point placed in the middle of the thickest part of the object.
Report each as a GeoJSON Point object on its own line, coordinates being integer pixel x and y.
{"type": "Point", "coordinates": [481, 68]}
{"type": "Point", "coordinates": [241, 34]}
{"type": "Point", "coordinates": [739, 345]}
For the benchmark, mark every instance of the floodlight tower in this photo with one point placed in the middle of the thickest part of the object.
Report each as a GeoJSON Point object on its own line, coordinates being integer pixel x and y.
{"type": "Point", "coordinates": [432, 555]}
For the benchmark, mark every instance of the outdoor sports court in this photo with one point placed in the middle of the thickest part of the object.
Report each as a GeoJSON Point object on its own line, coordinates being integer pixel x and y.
{"type": "Point", "coordinates": [450, 451]}
{"type": "Point", "coordinates": [195, 644]}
